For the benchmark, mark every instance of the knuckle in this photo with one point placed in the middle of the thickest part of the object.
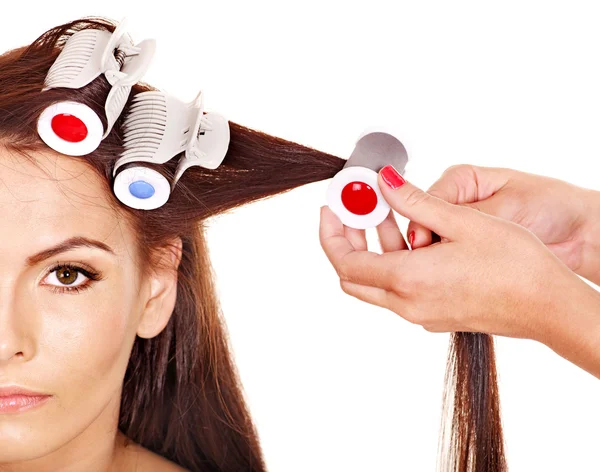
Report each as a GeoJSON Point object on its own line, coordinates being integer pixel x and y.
{"type": "Point", "coordinates": [343, 269]}
{"type": "Point", "coordinates": [416, 197]}
{"type": "Point", "coordinates": [427, 327]}
{"type": "Point", "coordinates": [419, 284]}
{"type": "Point", "coordinates": [344, 286]}
{"type": "Point", "coordinates": [343, 274]}
{"type": "Point", "coordinates": [432, 328]}
{"type": "Point", "coordinates": [410, 286]}
{"type": "Point", "coordinates": [400, 281]}
{"type": "Point", "coordinates": [413, 317]}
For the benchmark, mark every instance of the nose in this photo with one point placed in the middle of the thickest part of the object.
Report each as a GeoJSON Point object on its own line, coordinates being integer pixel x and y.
{"type": "Point", "coordinates": [15, 342]}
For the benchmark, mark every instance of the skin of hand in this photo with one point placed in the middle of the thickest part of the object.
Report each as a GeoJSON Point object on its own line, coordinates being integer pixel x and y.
{"type": "Point", "coordinates": [487, 274]}
{"type": "Point", "coordinates": [560, 214]}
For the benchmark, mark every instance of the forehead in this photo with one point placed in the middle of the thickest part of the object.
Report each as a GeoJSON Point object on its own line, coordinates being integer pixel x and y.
{"type": "Point", "coordinates": [48, 197]}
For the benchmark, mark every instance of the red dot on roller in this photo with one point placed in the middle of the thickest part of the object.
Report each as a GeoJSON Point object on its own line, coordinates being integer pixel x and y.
{"type": "Point", "coordinates": [69, 127]}
{"type": "Point", "coordinates": [359, 198]}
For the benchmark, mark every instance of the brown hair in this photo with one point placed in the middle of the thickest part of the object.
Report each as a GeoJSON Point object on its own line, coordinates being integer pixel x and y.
{"type": "Point", "coordinates": [472, 438]}
{"type": "Point", "coordinates": [181, 396]}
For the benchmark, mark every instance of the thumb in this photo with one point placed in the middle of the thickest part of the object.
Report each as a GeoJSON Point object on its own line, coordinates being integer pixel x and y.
{"type": "Point", "coordinates": [422, 235]}
{"type": "Point", "coordinates": [443, 218]}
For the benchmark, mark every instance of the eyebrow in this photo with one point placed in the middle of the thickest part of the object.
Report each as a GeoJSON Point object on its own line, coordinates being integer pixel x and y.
{"type": "Point", "coordinates": [67, 245]}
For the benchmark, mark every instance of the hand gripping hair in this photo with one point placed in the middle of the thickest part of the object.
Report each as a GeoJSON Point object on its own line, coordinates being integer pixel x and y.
{"type": "Point", "coordinates": [157, 126]}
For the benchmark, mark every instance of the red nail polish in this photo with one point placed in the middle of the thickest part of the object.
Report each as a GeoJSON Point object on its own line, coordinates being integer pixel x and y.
{"type": "Point", "coordinates": [391, 177]}
{"type": "Point", "coordinates": [411, 238]}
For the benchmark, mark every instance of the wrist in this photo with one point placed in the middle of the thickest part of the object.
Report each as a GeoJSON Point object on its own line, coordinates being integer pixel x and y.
{"type": "Point", "coordinates": [590, 253]}
{"type": "Point", "coordinates": [572, 329]}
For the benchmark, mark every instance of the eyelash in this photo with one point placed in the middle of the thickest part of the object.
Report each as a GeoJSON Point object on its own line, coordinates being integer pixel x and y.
{"type": "Point", "coordinates": [90, 273]}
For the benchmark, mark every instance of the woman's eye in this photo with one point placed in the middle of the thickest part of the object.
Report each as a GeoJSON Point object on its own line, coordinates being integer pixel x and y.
{"type": "Point", "coordinates": [70, 278]}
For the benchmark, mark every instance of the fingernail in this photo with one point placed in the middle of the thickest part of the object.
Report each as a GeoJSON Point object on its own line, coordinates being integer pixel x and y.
{"type": "Point", "coordinates": [411, 238]}
{"type": "Point", "coordinates": [391, 177]}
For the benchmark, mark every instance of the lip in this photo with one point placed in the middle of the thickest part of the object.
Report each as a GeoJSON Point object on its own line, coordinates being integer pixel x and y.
{"type": "Point", "coordinates": [11, 390]}
{"type": "Point", "coordinates": [16, 399]}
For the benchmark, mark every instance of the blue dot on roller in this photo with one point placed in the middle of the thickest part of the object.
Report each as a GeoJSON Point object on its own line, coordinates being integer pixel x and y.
{"type": "Point", "coordinates": [141, 189]}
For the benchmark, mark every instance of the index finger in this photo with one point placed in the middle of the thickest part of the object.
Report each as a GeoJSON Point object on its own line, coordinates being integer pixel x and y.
{"type": "Point", "coordinates": [361, 267]}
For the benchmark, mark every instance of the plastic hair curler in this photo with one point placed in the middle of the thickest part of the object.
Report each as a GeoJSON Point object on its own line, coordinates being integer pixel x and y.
{"type": "Point", "coordinates": [353, 194]}
{"type": "Point", "coordinates": [73, 128]}
{"type": "Point", "coordinates": [158, 127]}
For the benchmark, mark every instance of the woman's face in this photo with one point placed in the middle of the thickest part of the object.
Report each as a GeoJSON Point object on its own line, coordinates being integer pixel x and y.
{"type": "Point", "coordinates": [71, 345]}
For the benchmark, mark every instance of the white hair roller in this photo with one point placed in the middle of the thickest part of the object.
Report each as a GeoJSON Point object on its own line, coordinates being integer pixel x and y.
{"type": "Point", "coordinates": [353, 194]}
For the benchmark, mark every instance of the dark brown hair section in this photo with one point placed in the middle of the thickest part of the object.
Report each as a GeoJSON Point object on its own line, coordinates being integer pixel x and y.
{"type": "Point", "coordinates": [182, 397]}
{"type": "Point", "coordinates": [472, 438]}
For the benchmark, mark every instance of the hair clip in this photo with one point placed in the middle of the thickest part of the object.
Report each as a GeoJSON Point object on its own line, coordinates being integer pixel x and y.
{"type": "Point", "coordinates": [73, 128]}
{"type": "Point", "coordinates": [353, 194]}
{"type": "Point", "coordinates": [158, 127]}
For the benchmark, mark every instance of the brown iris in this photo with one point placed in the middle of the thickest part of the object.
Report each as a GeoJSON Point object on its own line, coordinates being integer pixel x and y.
{"type": "Point", "coordinates": [69, 277]}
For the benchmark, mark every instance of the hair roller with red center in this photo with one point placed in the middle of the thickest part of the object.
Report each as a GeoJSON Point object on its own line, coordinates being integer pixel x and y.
{"type": "Point", "coordinates": [353, 194]}
{"type": "Point", "coordinates": [71, 127]}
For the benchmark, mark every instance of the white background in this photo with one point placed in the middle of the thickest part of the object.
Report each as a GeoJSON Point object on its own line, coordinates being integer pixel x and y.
{"type": "Point", "coordinates": [335, 384]}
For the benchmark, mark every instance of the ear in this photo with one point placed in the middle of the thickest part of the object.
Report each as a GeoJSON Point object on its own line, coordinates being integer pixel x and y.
{"type": "Point", "coordinates": [162, 292]}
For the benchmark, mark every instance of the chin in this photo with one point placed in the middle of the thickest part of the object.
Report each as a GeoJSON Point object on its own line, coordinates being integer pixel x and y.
{"type": "Point", "coordinates": [25, 444]}
{"type": "Point", "coordinates": [29, 435]}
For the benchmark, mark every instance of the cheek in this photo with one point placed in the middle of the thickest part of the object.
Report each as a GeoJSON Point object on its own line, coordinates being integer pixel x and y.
{"type": "Point", "coordinates": [82, 350]}
{"type": "Point", "coordinates": [89, 342]}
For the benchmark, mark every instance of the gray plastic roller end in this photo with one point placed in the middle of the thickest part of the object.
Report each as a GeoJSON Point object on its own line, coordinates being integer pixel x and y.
{"type": "Point", "coordinates": [377, 149]}
{"type": "Point", "coordinates": [354, 194]}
